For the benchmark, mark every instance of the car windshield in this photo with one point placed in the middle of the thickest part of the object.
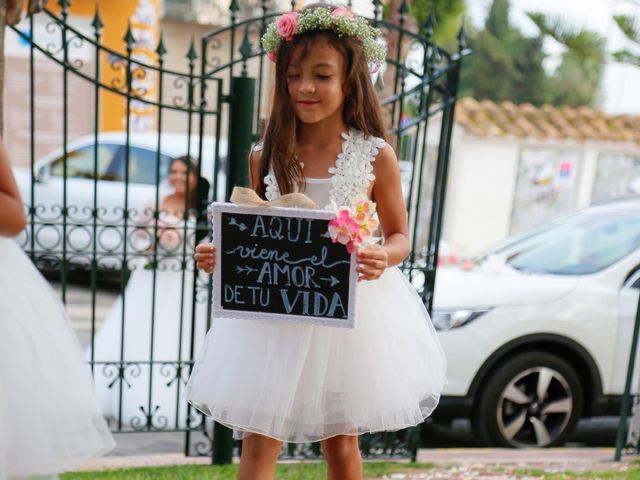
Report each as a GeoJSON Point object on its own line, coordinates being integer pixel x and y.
{"type": "Point", "coordinates": [582, 243]}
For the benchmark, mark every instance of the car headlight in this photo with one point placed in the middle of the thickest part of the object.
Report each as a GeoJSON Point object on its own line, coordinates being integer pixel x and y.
{"type": "Point", "coordinates": [444, 320]}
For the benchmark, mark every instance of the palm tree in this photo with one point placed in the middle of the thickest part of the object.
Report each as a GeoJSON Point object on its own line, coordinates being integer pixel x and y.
{"type": "Point", "coordinates": [630, 27]}
{"type": "Point", "coordinates": [577, 79]}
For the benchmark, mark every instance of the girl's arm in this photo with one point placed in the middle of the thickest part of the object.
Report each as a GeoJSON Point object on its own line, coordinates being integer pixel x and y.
{"type": "Point", "coordinates": [205, 255]}
{"type": "Point", "coordinates": [254, 168]}
{"type": "Point", "coordinates": [12, 218]}
{"type": "Point", "coordinates": [387, 193]}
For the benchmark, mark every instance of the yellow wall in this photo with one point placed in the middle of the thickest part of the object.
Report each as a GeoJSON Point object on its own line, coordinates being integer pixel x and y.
{"type": "Point", "coordinates": [115, 15]}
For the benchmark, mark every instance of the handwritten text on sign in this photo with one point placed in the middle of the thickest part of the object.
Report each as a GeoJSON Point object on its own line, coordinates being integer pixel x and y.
{"type": "Point", "coordinates": [279, 263]}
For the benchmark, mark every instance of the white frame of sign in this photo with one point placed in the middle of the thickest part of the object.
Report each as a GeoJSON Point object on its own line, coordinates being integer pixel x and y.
{"type": "Point", "coordinates": [216, 209]}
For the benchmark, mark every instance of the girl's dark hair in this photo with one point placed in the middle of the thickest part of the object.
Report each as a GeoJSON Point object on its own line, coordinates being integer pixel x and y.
{"type": "Point", "coordinates": [361, 110]}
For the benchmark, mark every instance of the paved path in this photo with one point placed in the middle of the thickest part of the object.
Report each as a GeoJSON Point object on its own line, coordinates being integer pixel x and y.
{"type": "Point", "coordinates": [483, 464]}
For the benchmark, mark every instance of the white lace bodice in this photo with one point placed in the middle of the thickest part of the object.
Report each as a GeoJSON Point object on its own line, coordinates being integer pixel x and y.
{"type": "Point", "coordinates": [351, 175]}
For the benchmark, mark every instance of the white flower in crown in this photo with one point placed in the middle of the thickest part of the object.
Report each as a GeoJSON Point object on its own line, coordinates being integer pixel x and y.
{"type": "Point", "coordinates": [339, 19]}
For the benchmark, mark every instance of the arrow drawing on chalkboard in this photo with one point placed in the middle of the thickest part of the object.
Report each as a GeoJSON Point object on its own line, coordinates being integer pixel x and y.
{"type": "Point", "coordinates": [241, 226]}
{"type": "Point", "coordinates": [333, 280]}
{"type": "Point", "coordinates": [246, 269]}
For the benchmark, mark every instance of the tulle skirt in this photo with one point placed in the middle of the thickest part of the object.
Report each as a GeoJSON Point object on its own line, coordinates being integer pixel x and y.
{"type": "Point", "coordinates": [158, 325]}
{"type": "Point", "coordinates": [303, 383]}
{"type": "Point", "coordinates": [49, 416]}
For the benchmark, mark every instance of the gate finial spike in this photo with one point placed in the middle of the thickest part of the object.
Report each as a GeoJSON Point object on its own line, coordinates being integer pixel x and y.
{"type": "Point", "coordinates": [234, 7]}
{"type": "Point", "coordinates": [191, 54]}
{"type": "Point", "coordinates": [377, 10]}
{"type": "Point", "coordinates": [431, 22]}
{"type": "Point", "coordinates": [97, 22]}
{"type": "Point", "coordinates": [245, 47]}
{"type": "Point", "coordinates": [129, 39]}
{"type": "Point", "coordinates": [462, 36]}
{"type": "Point", "coordinates": [161, 50]}
{"type": "Point", "coordinates": [64, 5]}
{"type": "Point", "coordinates": [403, 9]}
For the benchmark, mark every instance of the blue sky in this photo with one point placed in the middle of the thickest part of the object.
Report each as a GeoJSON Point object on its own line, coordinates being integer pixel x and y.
{"type": "Point", "coordinates": [619, 89]}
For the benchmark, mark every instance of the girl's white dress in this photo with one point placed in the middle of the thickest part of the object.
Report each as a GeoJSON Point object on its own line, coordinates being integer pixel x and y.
{"type": "Point", "coordinates": [141, 396]}
{"type": "Point", "coordinates": [50, 420]}
{"type": "Point", "coordinates": [301, 383]}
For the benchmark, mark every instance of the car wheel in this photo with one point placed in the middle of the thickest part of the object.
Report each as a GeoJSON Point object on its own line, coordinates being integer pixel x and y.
{"type": "Point", "coordinates": [533, 399]}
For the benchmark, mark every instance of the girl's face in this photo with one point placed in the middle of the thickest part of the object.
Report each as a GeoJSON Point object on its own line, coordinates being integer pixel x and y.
{"type": "Point", "coordinates": [315, 83]}
{"type": "Point", "coordinates": [178, 177]}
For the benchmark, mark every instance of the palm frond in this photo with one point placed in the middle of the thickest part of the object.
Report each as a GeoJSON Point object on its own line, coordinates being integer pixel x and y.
{"type": "Point", "coordinates": [583, 43]}
{"type": "Point", "coordinates": [629, 26]}
{"type": "Point", "coordinates": [626, 56]}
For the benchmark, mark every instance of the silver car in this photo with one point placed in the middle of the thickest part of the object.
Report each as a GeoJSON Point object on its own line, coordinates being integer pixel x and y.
{"type": "Point", "coordinates": [96, 197]}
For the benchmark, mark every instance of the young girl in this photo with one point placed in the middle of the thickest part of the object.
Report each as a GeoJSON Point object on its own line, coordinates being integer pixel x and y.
{"type": "Point", "coordinates": [275, 382]}
{"type": "Point", "coordinates": [49, 416]}
{"type": "Point", "coordinates": [157, 304]}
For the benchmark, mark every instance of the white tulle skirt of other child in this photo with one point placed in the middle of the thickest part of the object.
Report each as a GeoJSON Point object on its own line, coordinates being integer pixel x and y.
{"type": "Point", "coordinates": [49, 416]}
{"type": "Point", "coordinates": [302, 383]}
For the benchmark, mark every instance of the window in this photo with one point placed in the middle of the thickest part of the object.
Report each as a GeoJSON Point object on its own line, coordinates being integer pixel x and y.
{"type": "Point", "coordinates": [80, 162]}
{"type": "Point", "coordinates": [584, 243]}
{"type": "Point", "coordinates": [142, 166]}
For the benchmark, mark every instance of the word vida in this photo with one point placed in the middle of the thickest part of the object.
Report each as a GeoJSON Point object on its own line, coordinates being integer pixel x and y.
{"type": "Point", "coordinates": [283, 264]}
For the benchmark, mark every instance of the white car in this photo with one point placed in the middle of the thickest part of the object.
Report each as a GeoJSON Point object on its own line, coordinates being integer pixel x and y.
{"type": "Point", "coordinates": [107, 188]}
{"type": "Point", "coordinates": [538, 333]}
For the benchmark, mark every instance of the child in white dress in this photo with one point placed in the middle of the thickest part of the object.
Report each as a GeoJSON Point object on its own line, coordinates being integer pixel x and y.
{"type": "Point", "coordinates": [49, 417]}
{"type": "Point", "coordinates": [275, 382]}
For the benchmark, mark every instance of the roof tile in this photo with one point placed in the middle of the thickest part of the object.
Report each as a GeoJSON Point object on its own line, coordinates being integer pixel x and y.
{"type": "Point", "coordinates": [488, 119]}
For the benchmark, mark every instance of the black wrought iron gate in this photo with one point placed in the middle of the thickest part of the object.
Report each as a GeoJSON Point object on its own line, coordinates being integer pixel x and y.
{"type": "Point", "coordinates": [95, 204]}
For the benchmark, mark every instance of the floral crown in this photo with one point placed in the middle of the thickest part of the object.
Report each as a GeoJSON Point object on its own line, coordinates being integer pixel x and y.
{"type": "Point", "coordinates": [338, 19]}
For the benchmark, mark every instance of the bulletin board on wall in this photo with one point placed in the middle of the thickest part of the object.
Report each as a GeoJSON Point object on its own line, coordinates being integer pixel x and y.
{"type": "Point", "coordinates": [546, 185]}
{"type": "Point", "coordinates": [617, 175]}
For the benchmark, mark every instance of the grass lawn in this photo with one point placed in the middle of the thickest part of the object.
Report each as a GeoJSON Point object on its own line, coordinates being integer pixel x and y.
{"type": "Point", "coordinates": [297, 471]}
{"type": "Point", "coordinates": [318, 471]}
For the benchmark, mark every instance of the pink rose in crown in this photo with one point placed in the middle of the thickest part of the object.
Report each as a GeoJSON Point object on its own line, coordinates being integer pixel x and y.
{"type": "Point", "coordinates": [272, 56]}
{"type": "Point", "coordinates": [286, 25]}
{"type": "Point", "coordinates": [341, 12]}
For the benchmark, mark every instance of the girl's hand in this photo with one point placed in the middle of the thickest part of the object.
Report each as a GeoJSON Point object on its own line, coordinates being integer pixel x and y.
{"type": "Point", "coordinates": [205, 257]}
{"type": "Point", "coordinates": [372, 262]}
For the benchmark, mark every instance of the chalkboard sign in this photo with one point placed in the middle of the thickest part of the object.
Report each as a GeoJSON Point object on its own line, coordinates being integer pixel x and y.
{"type": "Point", "coordinates": [277, 263]}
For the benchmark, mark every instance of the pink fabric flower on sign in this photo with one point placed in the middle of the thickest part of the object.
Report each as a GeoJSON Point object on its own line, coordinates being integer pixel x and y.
{"type": "Point", "coordinates": [287, 24]}
{"type": "Point", "coordinates": [353, 227]}
{"type": "Point", "coordinates": [341, 12]}
{"type": "Point", "coordinates": [344, 229]}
